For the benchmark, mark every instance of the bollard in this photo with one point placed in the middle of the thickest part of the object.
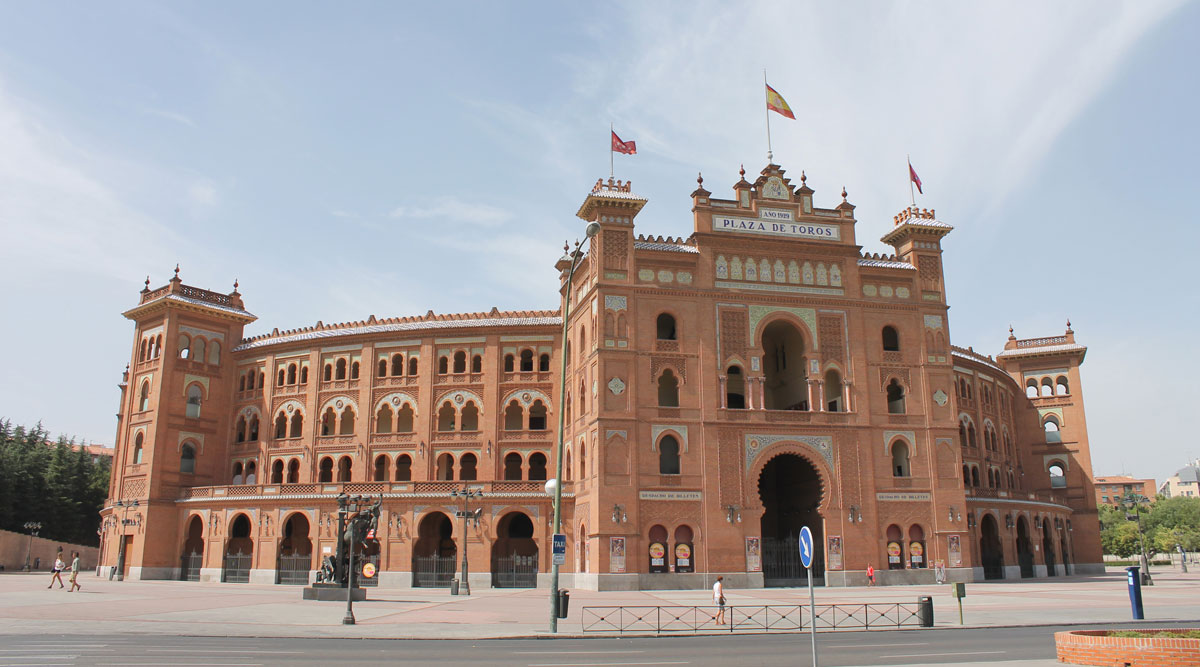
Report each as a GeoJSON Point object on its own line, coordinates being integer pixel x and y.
{"type": "Point", "coordinates": [925, 611]}
{"type": "Point", "coordinates": [564, 601]}
{"type": "Point", "coordinates": [1134, 583]}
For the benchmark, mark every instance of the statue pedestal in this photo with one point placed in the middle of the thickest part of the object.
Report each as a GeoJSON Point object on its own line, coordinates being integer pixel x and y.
{"type": "Point", "coordinates": [332, 593]}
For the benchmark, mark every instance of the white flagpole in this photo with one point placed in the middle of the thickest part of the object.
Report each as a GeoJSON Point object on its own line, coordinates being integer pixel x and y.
{"type": "Point", "coordinates": [611, 131]}
{"type": "Point", "coordinates": [912, 197]}
{"type": "Point", "coordinates": [770, 158]}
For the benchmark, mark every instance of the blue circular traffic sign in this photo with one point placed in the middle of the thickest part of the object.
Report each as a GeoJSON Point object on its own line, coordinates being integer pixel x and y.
{"type": "Point", "coordinates": [806, 547]}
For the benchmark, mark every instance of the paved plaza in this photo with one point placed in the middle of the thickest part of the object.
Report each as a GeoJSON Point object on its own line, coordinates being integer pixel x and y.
{"type": "Point", "coordinates": [106, 607]}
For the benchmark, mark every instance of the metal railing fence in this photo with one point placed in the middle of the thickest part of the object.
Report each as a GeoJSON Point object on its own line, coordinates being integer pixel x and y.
{"type": "Point", "coordinates": [748, 618]}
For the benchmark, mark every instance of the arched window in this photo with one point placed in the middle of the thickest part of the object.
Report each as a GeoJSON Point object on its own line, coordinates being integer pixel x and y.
{"type": "Point", "coordinates": [891, 339]}
{"type": "Point", "coordinates": [1051, 424]}
{"type": "Point", "coordinates": [526, 361]}
{"type": "Point", "coordinates": [184, 344]}
{"type": "Point", "coordinates": [340, 369]}
{"type": "Point", "coordinates": [326, 470]}
{"type": "Point", "coordinates": [240, 429]}
{"type": "Point", "coordinates": [403, 468]}
{"type": "Point", "coordinates": [443, 365]}
{"type": "Point", "coordinates": [900, 459]}
{"type": "Point", "coordinates": [348, 419]}
{"type": "Point", "coordinates": [1031, 389]}
{"type": "Point", "coordinates": [512, 466]}
{"type": "Point", "coordinates": [354, 370]}
{"type": "Point", "coordinates": [137, 447]}
{"type": "Point", "coordinates": [668, 390]}
{"type": "Point", "coordinates": [293, 474]}
{"type": "Point", "coordinates": [460, 362]}
{"type": "Point", "coordinates": [445, 467]}
{"type": "Point", "coordinates": [383, 419]}
{"type": "Point", "coordinates": [297, 424]}
{"type": "Point", "coordinates": [833, 391]}
{"type": "Point", "coordinates": [509, 365]}
{"type": "Point", "coordinates": [470, 417]}
{"type": "Point", "coordinates": [735, 388]}
{"type": "Point", "coordinates": [214, 353]}
{"type": "Point", "coordinates": [197, 353]}
{"type": "Point", "coordinates": [242, 382]}
{"type": "Point", "coordinates": [250, 380]}
{"type": "Point", "coordinates": [916, 555]}
{"type": "Point", "coordinates": [537, 466]}
{"type": "Point", "coordinates": [971, 435]}
{"type": "Point", "coordinates": [668, 455]}
{"type": "Point", "coordinates": [665, 327]}
{"type": "Point", "coordinates": [966, 475]}
{"type": "Point", "coordinates": [895, 545]}
{"type": "Point", "coordinates": [328, 421]}
{"type": "Point", "coordinates": [237, 472]}
{"type": "Point", "coordinates": [514, 417]}
{"type": "Point", "coordinates": [1047, 387]}
{"type": "Point", "coordinates": [291, 373]}
{"type": "Point", "coordinates": [583, 460]}
{"type": "Point", "coordinates": [344, 469]}
{"type": "Point", "coordinates": [251, 469]}
{"type": "Point", "coordinates": [895, 398]}
{"type": "Point", "coordinates": [1060, 386]}
{"type": "Point", "coordinates": [144, 398]}
{"type": "Point", "coordinates": [974, 476]}
{"type": "Point", "coordinates": [381, 468]}
{"type": "Point", "coordinates": [142, 349]}
{"type": "Point", "coordinates": [466, 467]}
{"type": "Point", "coordinates": [282, 376]}
{"type": "Point", "coordinates": [194, 397]}
{"type": "Point", "coordinates": [397, 364]}
{"type": "Point", "coordinates": [187, 460]}
{"type": "Point", "coordinates": [280, 426]}
{"type": "Point", "coordinates": [404, 419]}
{"type": "Point", "coordinates": [412, 366]}
{"type": "Point", "coordinates": [544, 363]}
{"type": "Point", "coordinates": [477, 364]}
{"type": "Point", "coordinates": [304, 375]}
{"type": "Point", "coordinates": [381, 370]}
{"type": "Point", "coordinates": [784, 365]}
{"type": "Point", "coordinates": [685, 560]}
{"type": "Point", "coordinates": [328, 377]}
{"type": "Point", "coordinates": [446, 416]}
{"type": "Point", "coordinates": [277, 472]}
{"type": "Point", "coordinates": [962, 433]}
{"type": "Point", "coordinates": [1058, 476]}
{"type": "Point", "coordinates": [537, 416]}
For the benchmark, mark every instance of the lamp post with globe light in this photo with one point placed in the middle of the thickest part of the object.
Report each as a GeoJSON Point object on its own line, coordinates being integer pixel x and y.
{"type": "Point", "coordinates": [554, 486]}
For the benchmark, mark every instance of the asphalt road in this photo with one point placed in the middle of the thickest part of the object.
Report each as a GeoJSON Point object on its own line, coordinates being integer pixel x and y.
{"type": "Point", "coordinates": [885, 647]}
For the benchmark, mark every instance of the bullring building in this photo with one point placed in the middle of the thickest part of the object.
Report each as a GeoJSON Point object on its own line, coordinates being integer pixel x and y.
{"type": "Point", "coordinates": [722, 389]}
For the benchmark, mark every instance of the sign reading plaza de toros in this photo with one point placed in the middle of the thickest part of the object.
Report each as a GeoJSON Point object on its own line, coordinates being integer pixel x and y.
{"type": "Point", "coordinates": [775, 222]}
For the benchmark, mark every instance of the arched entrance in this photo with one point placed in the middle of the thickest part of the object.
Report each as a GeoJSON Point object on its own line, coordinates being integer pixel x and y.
{"type": "Point", "coordinates": [514, 554]}
{"type": "Point", "coordinates": [1024, 548]}
{"type": "Point", "coordinates": [786, 387]}
{"type": "Point", "coordinates": [790, 490]}
{"type": "Point", "coordinates": [1048, 548]}
{"type": "Point", "coordinates": [295, 552]}
{"type": "Point", "coordinates": [239, 552]}
{"type": "Point", "coordinates": [435, 553]}
{"type": "Point", "coordinates": [193, 551]}
{"type": "Point", "coordinates": [991, 551]}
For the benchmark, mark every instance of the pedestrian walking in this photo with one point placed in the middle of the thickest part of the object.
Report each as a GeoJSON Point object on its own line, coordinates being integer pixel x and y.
{"type": "Point", "coordinates": [719, 600]}
{"type": "Point", "coordinates": [75, 585]}
{"type": "Point", "coordinates": [56, 572]}
{"type": "Point", "coordinates": [939, 572]}
{"type": "Point", "coordinates": [870, 574]}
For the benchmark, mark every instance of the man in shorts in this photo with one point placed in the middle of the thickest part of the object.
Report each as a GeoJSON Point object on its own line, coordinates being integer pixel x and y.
{"type": "Point", "coordinates": [75, 585]}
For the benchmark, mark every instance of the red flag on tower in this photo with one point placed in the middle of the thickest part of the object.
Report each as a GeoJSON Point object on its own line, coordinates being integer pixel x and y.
{"type": "Point", "coordinates": [912, 175]}
{"type": "Point", "coordinates": [624, 147]}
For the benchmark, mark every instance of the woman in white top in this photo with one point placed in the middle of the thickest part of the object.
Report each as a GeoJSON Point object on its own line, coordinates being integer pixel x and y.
{"type": "Point", "coordinates": [719, 600]}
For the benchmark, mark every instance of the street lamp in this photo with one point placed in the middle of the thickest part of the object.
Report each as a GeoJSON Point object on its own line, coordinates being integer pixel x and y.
{"type": "Point", "coordinates": [1134, 502]}
{"type": "Point", "coordinates": [125, 522]}
{"type": "Point", "coordinates": [466, 493]}
{"type": "Point", "coordinates": [34, 527]}
{"type": "Point", "coordinates": [592, 229]}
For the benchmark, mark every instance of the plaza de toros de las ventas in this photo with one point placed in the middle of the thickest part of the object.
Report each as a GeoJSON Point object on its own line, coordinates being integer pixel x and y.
{"type": "Point", "coordinates": [722, 390]}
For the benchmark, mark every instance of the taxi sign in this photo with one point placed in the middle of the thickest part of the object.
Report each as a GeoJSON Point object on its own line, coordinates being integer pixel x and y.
{"type": "Point", "coordinates": [560, 548]}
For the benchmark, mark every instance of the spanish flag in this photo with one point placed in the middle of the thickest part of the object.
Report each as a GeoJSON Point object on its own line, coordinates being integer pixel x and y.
{"type": "Point", "coordinates": [776, 103]}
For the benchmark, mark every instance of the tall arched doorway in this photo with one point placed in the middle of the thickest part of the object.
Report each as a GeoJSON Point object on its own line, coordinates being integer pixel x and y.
{"type": "Point", "coordinates": [193, 551]}
{"type": "Point", "coordinates": [991, 551]}
{"type": "Point", "coordinates": [1024, 548]}
{"type": "Point", "coordinates": [295, 552]}
{"type": "Point", "coordinates": [514, 554]}
{"type": "Point", "coordinates": [790, 490]}
{"type": "Point", "coordinates": [786, 386]}
{"type": "Point", "coordinates": [435, 553]}
{"type": "Point", "coordinates": [1066, 555]}
{"type": "Point", "coordinates": [1048, 548]}
{"type": "Point", "coordinates": [239, 552]}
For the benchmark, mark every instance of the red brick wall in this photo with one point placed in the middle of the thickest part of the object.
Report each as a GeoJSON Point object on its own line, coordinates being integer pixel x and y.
{"type": "Point", "coordinates": [1094, 647]}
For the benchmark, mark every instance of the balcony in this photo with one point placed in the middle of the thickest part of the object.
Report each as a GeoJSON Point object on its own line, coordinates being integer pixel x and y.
{"type": "Point", "coordinates": [425, 489]}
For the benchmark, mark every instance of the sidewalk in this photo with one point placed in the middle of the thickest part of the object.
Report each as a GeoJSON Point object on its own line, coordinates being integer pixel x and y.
{"type": "Point", "coordinates": [106, 607]}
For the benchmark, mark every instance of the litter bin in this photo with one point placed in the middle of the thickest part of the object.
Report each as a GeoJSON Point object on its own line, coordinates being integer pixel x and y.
{"type": "Point", "coordinates": [564, 601]}
{"type": "Point", "coordinates": [925, 611]}
{"type": "Point", "coordinates": [454, 586]}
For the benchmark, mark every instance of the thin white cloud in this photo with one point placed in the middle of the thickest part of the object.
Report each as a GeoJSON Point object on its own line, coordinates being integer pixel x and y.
{"type": "Point", "coordinates": [170, 115]}
{"type": "Point", "coordinates": [203, 193]}
{"type": "Point", "coordinates": [455, 210]}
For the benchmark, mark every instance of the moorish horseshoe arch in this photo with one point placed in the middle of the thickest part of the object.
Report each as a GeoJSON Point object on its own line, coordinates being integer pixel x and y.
{"type": "Point", "coordinates": [459, 398]}
{"type": "Point", "coordinates": [396, 400]}
{"type": "Point", "coordinates": [526, 397]}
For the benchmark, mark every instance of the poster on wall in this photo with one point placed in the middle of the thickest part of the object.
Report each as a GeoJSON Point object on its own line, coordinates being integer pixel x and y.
{"type": "Point", "coordinates": [835, 553]}
{"type": "Point", "coordinates": [753, 555]}
{"type": "Point", "coordinates": [683, 557]}
{"type": "Point", "coordinates": [955, 551]}
{"type": "Point", "coordinates": [658, 557]}
{"type": "Point", "coordinates": [916, 554]}
{"type": "Point", "coordinates": [893, 551]}
{"type": "Point", "coordinates": [616, 555]}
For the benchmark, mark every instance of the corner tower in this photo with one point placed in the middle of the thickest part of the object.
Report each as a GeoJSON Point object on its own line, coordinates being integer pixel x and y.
{"type": "Point", "coordinates": [173, 420]}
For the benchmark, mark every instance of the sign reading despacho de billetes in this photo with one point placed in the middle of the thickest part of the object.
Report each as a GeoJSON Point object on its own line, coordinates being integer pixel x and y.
{"type": "Point", "coordinates": [903, 497]}
{"type": "Point", "coordinates": [772, 225]}
{"type": "Point", "coordinates": [669, 495]}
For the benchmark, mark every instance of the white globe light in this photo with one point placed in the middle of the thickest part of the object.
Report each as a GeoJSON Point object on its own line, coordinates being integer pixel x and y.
{"type": "Point", "coordinates": [551, 487]}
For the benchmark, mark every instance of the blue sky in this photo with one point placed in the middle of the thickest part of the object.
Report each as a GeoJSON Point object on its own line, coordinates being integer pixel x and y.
{"type": "Point", "coordinates": [374, 158]}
